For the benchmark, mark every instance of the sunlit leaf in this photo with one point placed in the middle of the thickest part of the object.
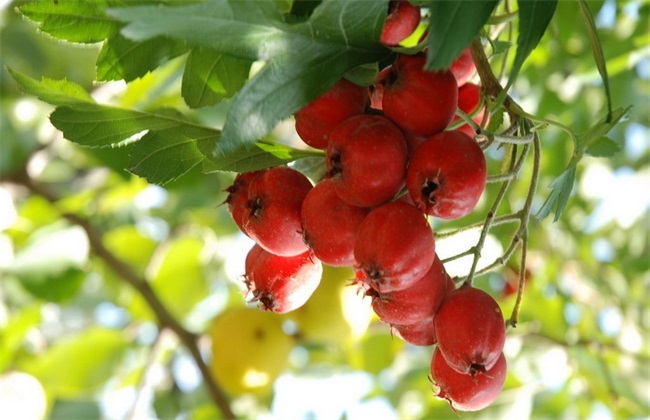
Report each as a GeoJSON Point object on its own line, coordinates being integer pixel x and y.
{"type": "Point", "coordinates": [77, 21]}
{"type": "Point", "coordinates": [80, 365]}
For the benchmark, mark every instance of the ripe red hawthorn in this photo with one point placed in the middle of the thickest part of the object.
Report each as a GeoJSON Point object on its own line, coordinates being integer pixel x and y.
{"type": "Point", "coordinates": [395, 247]}
{"type": "Point", "coordinates": [417, 302]}
{"type": "Point", "coordinates": [470, 330]}
{"type": "Point", "coordinates": [469, 99]}
{"type": "Point", "coordinates": [463, 67]}
{"type": "Point", "coordinates": [330, 224]}
{"type": "Point", "coordinates": [466, 392]}
{"type": "Point", "coordinates": [342, 101]}
{"type": "Point", "coordinates": [272, 215]}
{"type": "Point", "coordinates": [237, 198]}
{"type": "Point", "coordinates": [419, 101]}
{"type": "Point", "coordinates": [281, 284]}
{"type": "Point", "coordinates": [402, 19]}
{"type": "Point", "coordinates": [366, 159]}
{"type": "Point", "coordinates": [447, 175]}
{"type": "Point", "coordinates": [421, 333]}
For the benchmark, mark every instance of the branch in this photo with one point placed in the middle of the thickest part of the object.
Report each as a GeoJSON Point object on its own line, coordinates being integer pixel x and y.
{"type": "Point", "coordinates": [126, 273]}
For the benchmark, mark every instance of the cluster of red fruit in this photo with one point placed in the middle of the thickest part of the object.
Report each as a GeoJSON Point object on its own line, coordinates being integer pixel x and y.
{"type": "Point", "coordinates": [391, 162]}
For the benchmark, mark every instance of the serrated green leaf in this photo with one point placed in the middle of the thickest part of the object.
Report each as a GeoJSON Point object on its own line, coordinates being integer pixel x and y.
{"type": "Point", "coordinates": [95, 125]}
{"type": "Point", "coordinates": [163, 156]}
{"type": "Point", "coordinates": [210, 77]}
{"type": "Point", "coordinates": [81, 21]}
{"type": "Point", "coordinates": [121, 58]}
{"type": "Point", "coordinates": [560, 193]}
{"type": "Point", "coordinates": [302, 60]}
{"type": "Point", "coordinates": [80, 365]}
{"type": "Point", "coordinates": [603, 147]}
{"type": "Point", "coordinates": [246, 29]}
{"type": "Point", "coordinates": [54, 92]}
{"type": "Point", "coordinates": [452, 26]}
{"type": "Point", "coordinates": [534, 17]}
{"type": "Point", "coordinates": [259, 155]}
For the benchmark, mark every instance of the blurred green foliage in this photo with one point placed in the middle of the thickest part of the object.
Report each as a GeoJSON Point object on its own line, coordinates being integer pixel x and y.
{"type": "Point", "coordinates": [580, 349]}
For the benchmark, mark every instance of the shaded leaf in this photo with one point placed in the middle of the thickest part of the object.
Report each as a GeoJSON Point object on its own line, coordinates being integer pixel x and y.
{"type": "Point", "coordinates": [534, 17]}
{"type": "Point", "coordinates": [210, 77]}
{"type": "Point", "coordinates": [452, 26]}
{"type": "Point", "coordinates": [603, 147]}
{"type": "Point", "coordinates": [260, 155]}
{"type": "Point", "coordinates": [163, 156]}
{"type": "Point", "coordinates": [302, 60]}
{"type": "Point", "coordinates": [597, 49]}
{"type": "Point", "coordinates": [121, 58]}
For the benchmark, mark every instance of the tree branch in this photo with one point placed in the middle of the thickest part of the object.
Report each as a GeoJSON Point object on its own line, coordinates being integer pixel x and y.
{"type": "Point", "coordinates": [126, 273]}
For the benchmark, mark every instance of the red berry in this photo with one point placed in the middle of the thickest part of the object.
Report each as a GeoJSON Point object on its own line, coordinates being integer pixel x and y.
{"type": "Point", "coordinates": [330, 224]}
{"type": "Point", "coordinates": [447, 175]}
{"type": "Point", "coordinates": [238, 196]}
{"type": "Point", "coordinates": [470, 330]}
{"type": "Point", "coordinates": [315, 121]}
{"type": "Point", "coordinates": [463, 67]}
{"type": "Point", "coordinates": [282, 284]}
{"type": "Point", "coordinates": [395, 246]}
{"type": "Point", "coordinates": [417, 302]}
{"type": "Point", "coordinates": [466, 392]}
{"type": "Point", "coordinates": [272, 217]}
{"type": "Point", "coordinates": [469, 99]}
{"type": "Point", "coordinates": [421, 333]}
{"type": "Point", "coordinates": [403, 18]}
{"type": "Point", "coordinates": [419, 101]}
{"type": "Point", "coordinates": [366, 158]}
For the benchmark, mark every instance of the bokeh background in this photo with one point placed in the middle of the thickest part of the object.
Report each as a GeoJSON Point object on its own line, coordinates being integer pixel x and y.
{"type": "Point", "coordinates": [76, 341]}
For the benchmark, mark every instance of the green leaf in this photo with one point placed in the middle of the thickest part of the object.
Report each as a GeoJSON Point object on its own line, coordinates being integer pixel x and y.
{"type": "Point", "coordinates": [452, 26]}
{"type": "Point", "coordinates": [302, 60]}
{"type": "Point", "coordinates": [534, 17]}
{"type": "Point", "coordinates": [54, 92]}
{"type": "Point", "coordinates": [603, 147]}
{"type": "Point", "coordinates": [210, 77]}
{"type": "Point", "coordinates": [74, 20]}
{"type": "Point", "coordinates": [13, 332]}
{"type": "Point", "coordinates": [81, 365]}
{"type": "Point", "coordinates": [163, 156]}
{"type": "Point", "coordinates": [130, 246]}
{"type": "Point", "coordinates": [597, 131]}
{"type": "Point", "coordinates": [259, 155]}
{"type": "Point", "coordinates": [121, 58]}
{"type": "Point", "coordinates": [597, 49]}
{"type": "Point", "coordinates": [180, 282]}
{"type": "Point", "coordinates": [50, 267]}
{"type": "Point", "coordinates": [560, 193]}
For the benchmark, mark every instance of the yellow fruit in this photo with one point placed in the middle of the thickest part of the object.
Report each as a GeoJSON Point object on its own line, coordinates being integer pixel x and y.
{"type": "Point", "coordinates": [249, 350]}
{"type": "Point", "coordinates": [335, 313]}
